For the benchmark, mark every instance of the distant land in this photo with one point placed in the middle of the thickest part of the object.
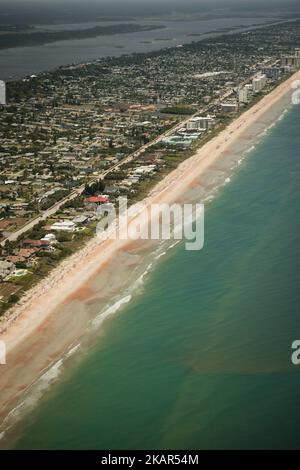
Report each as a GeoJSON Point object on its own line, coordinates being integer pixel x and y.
{"type": "Point", "coordinates": [16, 36]}
{"type": "Point", "coordinates": [75, 11]}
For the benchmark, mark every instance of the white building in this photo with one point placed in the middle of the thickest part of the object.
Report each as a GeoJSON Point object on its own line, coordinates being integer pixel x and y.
{"type": "Point", "coordinates": [292, 61]}
{"type": "Point", "coordinates": [80, 220]}
{"type": "Point", "coordinates": [259, 83]}
{"type": "Point", "coordinates": [243, 95]}
{"type": "Point", "coordinates": [200, 123]}
{"type": "Point", "coordinates": [2, 92]}
{"type": "Point", "coordinates": [49, 237]}
{"type": "Point", "coordinates": [64, 226]}
{"type": "Point", "coordinates": [230, 107]}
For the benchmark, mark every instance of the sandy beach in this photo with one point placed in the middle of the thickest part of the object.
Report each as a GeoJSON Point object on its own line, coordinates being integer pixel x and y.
{"type": "Point", "coordinates": [35, 333]}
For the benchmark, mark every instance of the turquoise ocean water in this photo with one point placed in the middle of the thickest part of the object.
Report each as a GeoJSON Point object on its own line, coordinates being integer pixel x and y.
{"type": "Point", "coordinates": [202, 357]}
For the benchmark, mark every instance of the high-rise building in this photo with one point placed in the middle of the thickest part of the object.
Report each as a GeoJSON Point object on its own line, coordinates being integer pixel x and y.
{"type": "Point", "coordinates": [297, 52]}
{"type": "Point", "coordinates": [259, 83]}
{"type": "Point", "coordinates": [272, 72]}
{"type": "Point", "coordinates": [200, 123]}
{"type": "Point", "coordinates": [230, 107]}
{"type": "Point", "coordinates": [292, 61]}
{"type": "Point", "coordinates": [243, 95]}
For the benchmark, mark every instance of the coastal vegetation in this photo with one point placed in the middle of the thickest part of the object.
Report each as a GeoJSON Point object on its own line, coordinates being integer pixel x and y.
{"type": "Point", "coordinates": [180, 109]}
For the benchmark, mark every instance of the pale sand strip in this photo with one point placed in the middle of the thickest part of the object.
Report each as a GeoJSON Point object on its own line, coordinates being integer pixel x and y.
{"type": "Point", "coordinates": [26, 317]}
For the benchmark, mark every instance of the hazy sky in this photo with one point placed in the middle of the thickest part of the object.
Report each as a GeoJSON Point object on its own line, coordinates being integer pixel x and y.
{"type": "Point", "coordinates": [164, 4]}
{"type": "Point", "coordinates": [181, 4]}
{"type": "Point", "coordinates": [31, 11]}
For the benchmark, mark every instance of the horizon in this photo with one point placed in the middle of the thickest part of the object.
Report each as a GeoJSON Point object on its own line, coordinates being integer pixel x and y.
{"type": "Point", "coordinates": [18, 11]}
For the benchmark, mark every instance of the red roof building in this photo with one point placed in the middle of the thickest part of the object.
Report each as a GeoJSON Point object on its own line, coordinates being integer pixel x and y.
{"type": "Point", "coordinates": [35, 243]}
{"type": "Point", "coordinates": [97, 199]}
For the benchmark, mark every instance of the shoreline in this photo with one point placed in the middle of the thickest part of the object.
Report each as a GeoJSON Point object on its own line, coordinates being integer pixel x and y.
{"type": "Point", "coordinates": [76, 273]}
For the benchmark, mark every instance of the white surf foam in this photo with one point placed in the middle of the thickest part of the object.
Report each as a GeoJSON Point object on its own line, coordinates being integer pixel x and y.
{"type": "Point", "coordinates": [35, 391]}
{"type": "Point", "coordinates": [160, 255]}
{"type": "Point", "coordinates": [73, 350]}
{"type": "Point", "coordinates": [110, 311]}
{"type": "Point", "coordinates": [173, 245]}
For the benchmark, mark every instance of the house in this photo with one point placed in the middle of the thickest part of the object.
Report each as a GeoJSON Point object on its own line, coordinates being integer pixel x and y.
{"type": "Point", "coordinates": [36, 243]}
{"type": "Point", "coordinates": [80, 220]}
{"type": "Point", "coordinates": [6, 268]}
{"type": "Point", "coordinates": [112, 190]}
{"type": "Point", "coordinates": [23, 255]}
{"type": "Point", "coordinates": [50, 237]}
{"type": "Point", "coordinates": [97, 199]}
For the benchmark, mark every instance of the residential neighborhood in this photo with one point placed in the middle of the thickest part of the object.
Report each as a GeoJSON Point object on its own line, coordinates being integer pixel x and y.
{"type": "Point", "coordinates": [76, 138]}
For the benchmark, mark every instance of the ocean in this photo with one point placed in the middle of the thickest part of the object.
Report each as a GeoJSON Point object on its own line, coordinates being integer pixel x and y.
{"type": "Point", "coordinates": [200, 356]}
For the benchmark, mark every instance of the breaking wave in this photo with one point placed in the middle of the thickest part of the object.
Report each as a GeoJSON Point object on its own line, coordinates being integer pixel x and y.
{"type": "Point", "coordinates": [110, 310]}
